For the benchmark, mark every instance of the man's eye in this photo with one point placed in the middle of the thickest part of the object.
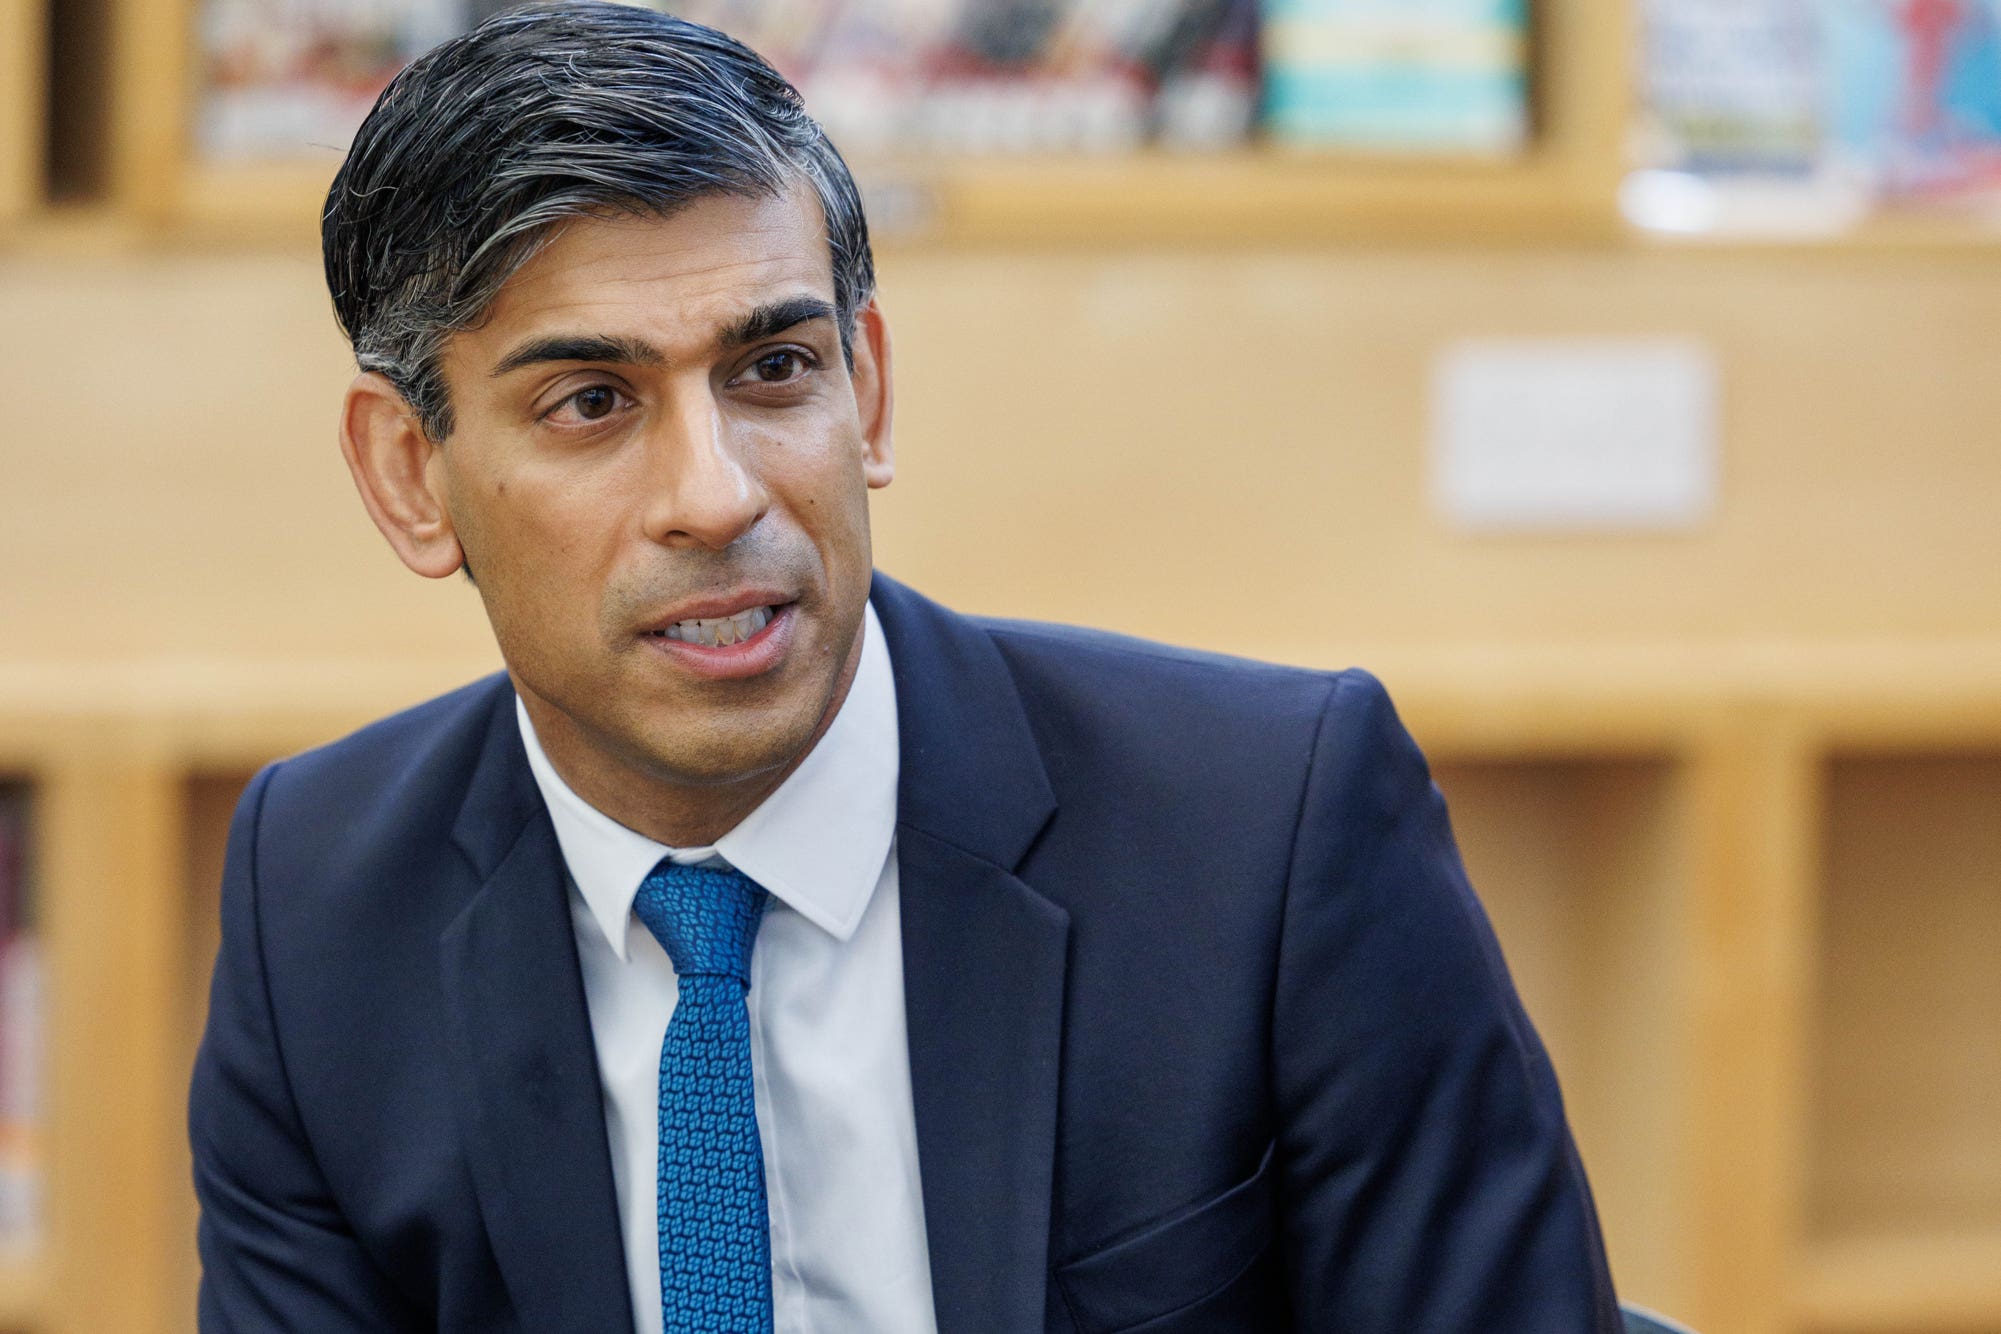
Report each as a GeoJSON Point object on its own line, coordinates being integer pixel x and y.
{"type": "Point", "coordinates": [595, 402]}
{"type": "Point", "coordinates": [778, 367]}
{"type": "Point", "coordinates": [591, 404]}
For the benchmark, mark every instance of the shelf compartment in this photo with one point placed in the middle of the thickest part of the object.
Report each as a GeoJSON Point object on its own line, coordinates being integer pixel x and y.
{"type": "Point", "coordinates": [1903, 1187]}
{"type": "Point", "coordinates": [1582, 863]}
{"type": "Point", "coordinates": [1562, 188]}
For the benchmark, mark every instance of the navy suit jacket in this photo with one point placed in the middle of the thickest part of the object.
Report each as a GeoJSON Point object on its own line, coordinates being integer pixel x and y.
{"type": "Point", "coordinates": [1207, 1032]}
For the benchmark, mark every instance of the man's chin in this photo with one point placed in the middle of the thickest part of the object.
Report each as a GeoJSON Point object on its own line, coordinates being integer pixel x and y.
{"type": "Point", "coordinates": [717, 772]}
{"type": "Point", "coordinates": [742, 747]}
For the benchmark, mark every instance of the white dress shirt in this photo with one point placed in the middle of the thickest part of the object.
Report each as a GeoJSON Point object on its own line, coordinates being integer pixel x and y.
{"type": "Point", "coordinates": [828, 1048]}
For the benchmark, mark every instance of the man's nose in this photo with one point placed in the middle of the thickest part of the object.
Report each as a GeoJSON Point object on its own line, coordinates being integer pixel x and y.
{"type": "Point", "coordinates": [703, 489]}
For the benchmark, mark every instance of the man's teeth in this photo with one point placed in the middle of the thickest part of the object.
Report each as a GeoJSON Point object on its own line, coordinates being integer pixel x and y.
{"type": "Point", "coordinates": [718, 631]}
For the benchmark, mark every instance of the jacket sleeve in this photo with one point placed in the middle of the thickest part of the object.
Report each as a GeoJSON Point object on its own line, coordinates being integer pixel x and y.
{"type": "Point", "coordinates": [275, 1251]}
{"type": "Point", "coordinates": [1429, 1184]}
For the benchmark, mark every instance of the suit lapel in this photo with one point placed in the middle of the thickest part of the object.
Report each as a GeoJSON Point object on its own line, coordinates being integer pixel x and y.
{"type": "Point", "coordinates": [984, 961]}
{"type": "Point", "coordinates": [525, 1071]}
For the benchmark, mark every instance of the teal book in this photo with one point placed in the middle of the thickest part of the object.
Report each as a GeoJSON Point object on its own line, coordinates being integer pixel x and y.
{"type": "Point", "coordinates": [1398, 76]}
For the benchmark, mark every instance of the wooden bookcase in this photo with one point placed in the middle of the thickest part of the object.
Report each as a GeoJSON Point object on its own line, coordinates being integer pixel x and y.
{"type": "Point", "coordinates": [1903, 1198]}
{"type": "Point", "coordinates": [1753, 921]}
{"type": "Point", "coordinates": [1750, 908]}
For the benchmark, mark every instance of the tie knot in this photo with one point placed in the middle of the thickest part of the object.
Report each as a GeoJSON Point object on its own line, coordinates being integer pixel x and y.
{"type": "Point", "coordinates": [705, 917]}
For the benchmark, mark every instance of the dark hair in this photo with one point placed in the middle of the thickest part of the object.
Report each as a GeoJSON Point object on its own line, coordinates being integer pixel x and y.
{"type": "Point", "coordinates": [482, 145]}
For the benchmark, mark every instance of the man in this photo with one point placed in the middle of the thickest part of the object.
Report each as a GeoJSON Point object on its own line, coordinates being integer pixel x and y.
{"type": "Point", "coordinates": [771, 948]}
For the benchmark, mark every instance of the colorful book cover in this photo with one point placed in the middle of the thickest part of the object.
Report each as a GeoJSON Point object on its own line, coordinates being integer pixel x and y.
{"type": "Point", "coordinates": [1446, 76]}
{"type": "Point", "coordinates": [1730, 86]}
{"type": "Point", "coordinates": [1205, 70]}
{"type": "Point", "coordinates": [22, 1022]}
{"type": "Point", "coordinates": [1914, 93]}
{"type": "Point", "coordinates": [293, 78]}
{"type": "Point", "coordinates": [21, 1028]}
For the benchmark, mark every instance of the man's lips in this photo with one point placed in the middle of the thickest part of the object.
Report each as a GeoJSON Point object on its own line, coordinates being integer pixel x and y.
{"type": "Point", "coordinates": [718, 606]}
{"type": "Point", "coordinates": [749, 640]}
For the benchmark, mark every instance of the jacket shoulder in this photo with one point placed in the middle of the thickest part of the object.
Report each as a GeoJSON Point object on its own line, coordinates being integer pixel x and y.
{"type": "Point", "coordinates": [1180, 730]}
{"type": "Point", "coordinates": [452, 723]}
{"type": "Point", "coordinates": [400, 777]}
{"type": "Point", "coordinates": [1175, 684]}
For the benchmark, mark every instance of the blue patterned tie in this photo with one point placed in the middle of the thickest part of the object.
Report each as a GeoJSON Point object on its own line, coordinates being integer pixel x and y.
{"type": "Point", "coordinates": [715, 1231]}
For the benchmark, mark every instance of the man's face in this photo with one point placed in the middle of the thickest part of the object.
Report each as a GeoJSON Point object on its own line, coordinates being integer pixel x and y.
{"type": "Point", "coordinates": [659, 475]}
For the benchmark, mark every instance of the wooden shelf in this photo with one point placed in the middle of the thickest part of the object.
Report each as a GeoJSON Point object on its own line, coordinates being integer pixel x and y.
{"type": "Point", "coordinates": [1884, 233]}
{"type": "Point", "coordinates": [1562, 191]}
{"type": "Point", "coordinates": [1248, 197]}
{"type": "Point", "coordinates": [1902, 1283]}
{"type": "Point", "coordinates": [1469, 699]}
{"type": "Point", "coordinates": [1254, 196]}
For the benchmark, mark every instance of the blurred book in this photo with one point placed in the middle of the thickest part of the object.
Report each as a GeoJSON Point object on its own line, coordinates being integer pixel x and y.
{"type": "Point", "coordinates": [1431, 76]}
{"type": "Point", "coordinates": [1207, 74]}
{"type": "Point", "coordinates": [1729, 86]}
{"type": "Point", "coordinates": [1804, 117]}
{"type": "Point", "coordinates": [1914, 105]}
{"type": "Point", "coordinates": [22, 1021]}
{"type": "Point", "coordinates": [292, 78]}
{"type": "Point", "coordinates": [1009, 76]}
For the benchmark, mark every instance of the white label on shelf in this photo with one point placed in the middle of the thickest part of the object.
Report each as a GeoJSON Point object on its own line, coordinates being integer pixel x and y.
{"type": "Point", "coordinates": [1597, 434]}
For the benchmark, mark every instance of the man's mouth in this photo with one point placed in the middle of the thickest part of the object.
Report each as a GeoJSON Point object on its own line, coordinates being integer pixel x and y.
{"type": "Point", "coordinates": [718, 631]}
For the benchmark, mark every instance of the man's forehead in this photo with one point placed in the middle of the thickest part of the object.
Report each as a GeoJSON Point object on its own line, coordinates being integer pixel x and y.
{"type": "Point", "coordinates": [693, 272]}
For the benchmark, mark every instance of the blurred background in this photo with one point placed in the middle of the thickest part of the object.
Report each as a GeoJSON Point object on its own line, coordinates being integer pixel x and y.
{"type": "Point", "coordinates": [1616, 378]}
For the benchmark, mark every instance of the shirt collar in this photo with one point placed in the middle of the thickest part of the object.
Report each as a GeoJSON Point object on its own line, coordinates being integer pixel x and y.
{"type": "Point", "coordinates": [817, 843]}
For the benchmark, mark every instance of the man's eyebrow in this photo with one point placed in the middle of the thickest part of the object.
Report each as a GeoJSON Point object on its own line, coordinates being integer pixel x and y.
{"type": "Point", "coordinates": [581, 347]}
{"type": "Point", "coordinates": [773, 318]}
{"type": "Point", "coordinates": [753, 326]}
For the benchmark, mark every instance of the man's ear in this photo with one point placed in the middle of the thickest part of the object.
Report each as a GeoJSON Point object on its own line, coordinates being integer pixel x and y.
{"type": "Point", "coordinates": [390, 457]}
{"type": "Point", "coordinates": [875, 399]}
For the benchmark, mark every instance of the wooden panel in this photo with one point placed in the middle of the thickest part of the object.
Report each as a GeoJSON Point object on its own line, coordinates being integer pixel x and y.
{"type": "Point", "coordinates": [149, 114]}
{"type": "Point", "coordinates": [111, 871]}
{"type": "Point", "coordinates": [1136, 441]}
{"type": "Point", "coordinates": [1752, 819]}
{"type": "Point", "coordinates": [1581, 866]}
{"type": "Point", "coordinates": [22, 107]}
